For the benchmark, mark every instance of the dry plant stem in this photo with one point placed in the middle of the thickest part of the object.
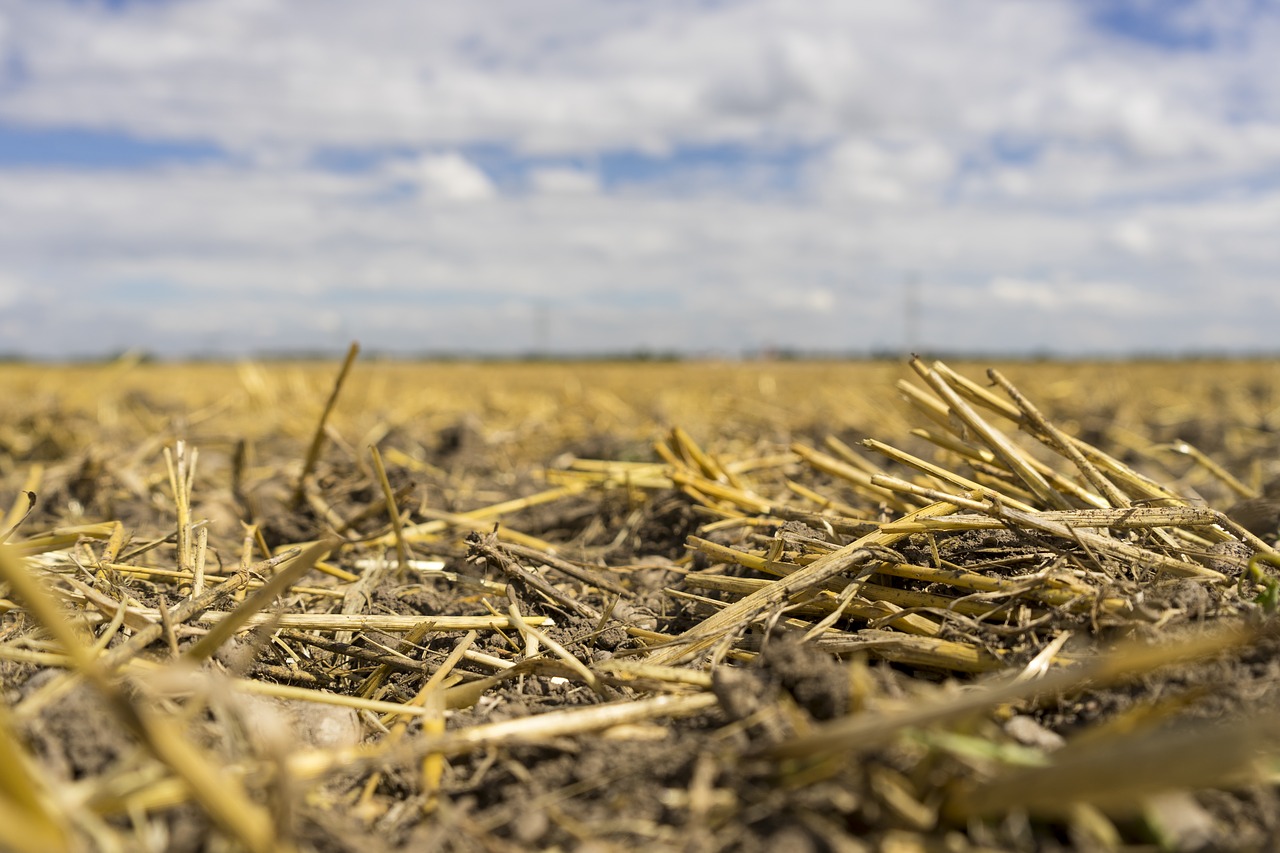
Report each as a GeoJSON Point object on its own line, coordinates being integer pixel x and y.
{"type": "Point", "coordinates": [430, 529]}
{"type": "Point", "coordinates": [872, 728]}
{"type": "Point", "coordinates": [1138, 486]}
{"type": "Point", "coordinates": [533, 637]}
{"type": "Point", "coordinates": [1133, 518]}
{"type": "Point", "coordinates": [1075, 599]}
{"type": "Point", "coordinates": [628, 671]}
{"type": "Point", "coordinates": [1000, 444]}
{"type": "Point", "coordinates": [1098, 543]}
{"type": "Point", "coordinates": [465, 521]}
{"type": "Point", "coordinates": [223, 799]}
{"type": "Point", "coordinates": [317, 440]}
{"type": "Point", "coordinates": [844, 471]}
{"type": "Point", "coordinates": [378, 677]}
{"type": "Point", "coordinates": [402, 549]}
{"type": "Point", "coordinates": [115, 543]}
{"type": "Point", "coordinates": [303, 694]}
{"type": "Point", "coordinates": [927, 405]}
{"type": "Point", "coordinates": [848, 454]}
{"type": "Point", "coordinates": [982, 456]}
{"type": "Point", "coordinates": [29, 819]}
{"type": "Point", "coordinates": [1112, 547]}
{"type": "Point", "coordinates": [856, 554]}
{"type": "Point", "coordinates": [939, 473]}
{"type": "Point", "coordinates": [596, 579]}
{"type": "Point", "coordinates": [155, 574]}
{"type": "Point", "coordinates": [1118, 773]}
{"type": "Point", "coordinates": [538, 728]}
{"type": "Point", "coordinates": [862, 607]}
{"type": "Point", "coordinates": [144, 636]}
{"type": "Point", "coordinates": [867, 592]}
{"type": "Point", "coordinates": [372, 621]}
{"type": "Point", "coordinates": [201, 552]}
{"type": "Point", "coordinates": [720, 491]}
{"type": "Point", "coordinates": [929, 652]}
{"type": "Point", "coordinates": [690, 450]}
{"type": "Point", "coordinates": [651, 478]}
{"type": "Point", "coordinates": [1241, 490]}
{"type": "Point", "coordinates": [61, 538]}
{"type": "Point", "coordinates": [182, 472]}
{"type": "Point", "coordinates": [854, 525]}
{"type": "Point", "coordinates": [126, 611]}
{"type": "Point", "coordinates": [827, 504]}
{"type": "Point", "coordinates": [260, 600]}
{"type": "Point", "coordinates": [17, 514]}
{"type": "Point", "coordinates": [487, 546]}
{"type": "Point", "coordinates": [1059, 442]}
{"type": "Point", "coordinates": [1072, 533]}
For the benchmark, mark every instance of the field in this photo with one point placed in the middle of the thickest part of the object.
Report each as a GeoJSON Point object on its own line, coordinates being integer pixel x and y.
{"type": "Point", "coordinates": [664, 606]}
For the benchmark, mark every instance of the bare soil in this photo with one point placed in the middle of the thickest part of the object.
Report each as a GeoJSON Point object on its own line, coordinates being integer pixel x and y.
{"type": "Point", "coordinates": [730, 774]}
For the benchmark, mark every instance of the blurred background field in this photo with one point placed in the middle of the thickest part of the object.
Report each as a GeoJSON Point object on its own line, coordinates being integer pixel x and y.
{"type": "Point", "coordinates": [532, 411]}
{"type": "Point", "coordinates": [91, 438]}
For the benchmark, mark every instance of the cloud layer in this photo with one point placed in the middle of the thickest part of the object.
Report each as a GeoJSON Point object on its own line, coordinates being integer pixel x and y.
{"type": "Point", "coordinates": [1074, 177]}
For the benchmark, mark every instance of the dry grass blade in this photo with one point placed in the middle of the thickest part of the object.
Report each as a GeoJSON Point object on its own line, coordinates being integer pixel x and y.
{"type": "Point", "coordinates": [61, 538]}
{"type": "Point", "coordinates": [317, 438]}
{"type": "Point", "coordinates": [1133, 518]}
{"type": "Point", "coordinates": [556, 724]}
{"type": "Point", "coordinates": [481, 519]}
{"type": "Point", "coordinates": [147, 634]}
{"type": "Point", "coordinates": [370, 622]}
{"type": "Point", "coordinates": [1223, 475]}
{"type": "Point", "coordinates": [226, 626]}
{"type": "Point", "coordinates": [940, 473]}
{"type": "Point", "coordinates": [402, 549]}
{"type": "Point", "coordinates": [29, 819]}
{"type": "Point", "coordinates": [857, 554]}
{"type": "Point", "coordinates": [870, 729]}
{"type": "Point", "coordinates": [1060, 442]}
{"type": "Point", "coordinates": [845, 471]}
{"type": "Point", "coordinates": [17, 514]}
{"type": "Point", "coordinates": [1111, 547]}
{"type": "Point", "coordinates": [486, 547]}
{"type": "Point", "coordinates": [999, 443]}
{"type": "Point", "coordinates": [225, 801]}
{"type": "Point", "coordinates": [1120, 773]}
{"type": "Point", "coordinates": [182, 473]}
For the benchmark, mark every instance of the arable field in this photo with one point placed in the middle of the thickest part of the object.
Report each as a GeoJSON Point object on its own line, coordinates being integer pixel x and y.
{"type": "Point", "coordinates": [793, 606]}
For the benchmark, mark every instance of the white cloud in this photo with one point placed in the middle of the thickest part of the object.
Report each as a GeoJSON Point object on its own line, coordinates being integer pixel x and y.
{"type": "Point", "coordinates": [1067, 294]}
{"type": "Point", "coordinates": [1133, 236]}
{"type": "Point", "coordinates": [11, 289]}
{"type": "Point", "coordinates": [446, 176]}
{"type": "Point", "coordinates": [564, 181]}
{"type": "Point", "coordinates": [572, 75]}
{"type": "Point", "coordinates": [1011, 157]}
{"type": "Point", "coordinates": [884, 171]}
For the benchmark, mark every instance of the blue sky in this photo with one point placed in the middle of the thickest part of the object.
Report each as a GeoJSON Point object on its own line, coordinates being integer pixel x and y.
{"type": "Point", "coordinates": [231, 176]}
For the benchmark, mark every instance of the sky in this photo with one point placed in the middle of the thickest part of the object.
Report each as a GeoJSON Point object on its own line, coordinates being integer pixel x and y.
{"type": "Point", "coordinates": [720, 177]}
